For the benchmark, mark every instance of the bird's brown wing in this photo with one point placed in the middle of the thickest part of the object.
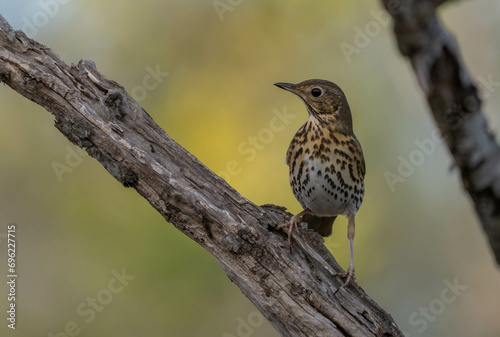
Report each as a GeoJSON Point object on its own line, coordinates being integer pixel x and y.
{"type": "Point", "coordinates": [321, 225]}
{"type": "Point", "coordinates": [295, 149]}
{"type": "Point", "coordinates": [361, 164]}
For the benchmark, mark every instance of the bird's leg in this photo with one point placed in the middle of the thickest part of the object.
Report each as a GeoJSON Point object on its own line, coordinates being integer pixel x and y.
{"type": "Point", "coordinates": [294, 221]}
{"type": "Point", "coordinates": [350, 271]}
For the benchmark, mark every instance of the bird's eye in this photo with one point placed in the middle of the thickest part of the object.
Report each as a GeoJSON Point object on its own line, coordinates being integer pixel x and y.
{"type": "Point", "coordinates": [316, 92]}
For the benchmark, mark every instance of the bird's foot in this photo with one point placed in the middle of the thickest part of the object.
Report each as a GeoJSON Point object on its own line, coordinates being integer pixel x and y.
{"type": "Point", "coordinates": [350, 277]}
{"type": "Point", "coordinates": [292, 224]}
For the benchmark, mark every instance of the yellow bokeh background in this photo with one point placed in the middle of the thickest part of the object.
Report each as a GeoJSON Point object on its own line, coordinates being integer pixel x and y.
{"type": "Point", "coordinates": [71, 234]}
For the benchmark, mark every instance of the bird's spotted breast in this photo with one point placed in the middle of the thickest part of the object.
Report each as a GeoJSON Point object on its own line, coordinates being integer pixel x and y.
{"type": "Point", "coordinates": [326, 169]}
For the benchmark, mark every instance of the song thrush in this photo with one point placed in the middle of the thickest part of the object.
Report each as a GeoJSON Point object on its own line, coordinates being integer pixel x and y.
{"type": "Point", "coordinates": [326, 162]}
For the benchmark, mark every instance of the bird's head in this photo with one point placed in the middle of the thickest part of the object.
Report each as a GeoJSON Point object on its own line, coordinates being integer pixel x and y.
{"type": "Point", "coordinates": [324, 100]}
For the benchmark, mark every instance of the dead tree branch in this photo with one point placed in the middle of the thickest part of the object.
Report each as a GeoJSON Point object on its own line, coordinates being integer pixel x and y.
{"type": "Point", "coordinates": [295, 289]}
{"type": "Point", "coordinates": [455, 105]}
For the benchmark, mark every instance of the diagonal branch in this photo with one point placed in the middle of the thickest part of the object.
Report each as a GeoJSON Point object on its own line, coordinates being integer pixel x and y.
{"type": "Point", "coordinates": [455, 105]}
{"type": "Point", "coordinates": [295, 289]}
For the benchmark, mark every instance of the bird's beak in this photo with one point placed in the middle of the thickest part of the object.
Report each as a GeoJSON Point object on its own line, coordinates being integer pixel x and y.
{"type": "Point", "coordinates": [291, 87]}
{"type": "Point", "coordinates": [287, 86]}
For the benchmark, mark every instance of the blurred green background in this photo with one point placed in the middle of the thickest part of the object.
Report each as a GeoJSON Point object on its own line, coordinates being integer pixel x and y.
{"type": "Point", "coordinates": [73, 231]}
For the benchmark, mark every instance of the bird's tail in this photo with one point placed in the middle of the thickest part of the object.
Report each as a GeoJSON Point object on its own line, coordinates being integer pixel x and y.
{"type": "Point", "coordinates": [321, 225]}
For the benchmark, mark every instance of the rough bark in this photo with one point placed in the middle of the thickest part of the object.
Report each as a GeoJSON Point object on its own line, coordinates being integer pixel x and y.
{"type": "Point", "coordinates": [455, 105]}
{"type": "Point", "coordinates": [295, 288]}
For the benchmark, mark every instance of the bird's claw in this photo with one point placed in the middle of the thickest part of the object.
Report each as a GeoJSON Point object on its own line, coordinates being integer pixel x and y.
{"type": "Point", "coordinates": [350, 277]}
{"type": "Point", "coordinates": [292, 224]}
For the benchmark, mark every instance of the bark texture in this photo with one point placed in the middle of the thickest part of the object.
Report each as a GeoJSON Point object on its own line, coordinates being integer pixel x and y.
{"type": "Point", "coordinates": [294, 288]}
{"type": "Point", "coordinates": [455, 105]}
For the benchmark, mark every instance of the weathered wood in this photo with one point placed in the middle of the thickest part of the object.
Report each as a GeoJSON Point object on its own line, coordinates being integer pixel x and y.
{"type": "Point", "coordinates": [295, 288]}
{"type": "Point", "coordinates": [455, 105]}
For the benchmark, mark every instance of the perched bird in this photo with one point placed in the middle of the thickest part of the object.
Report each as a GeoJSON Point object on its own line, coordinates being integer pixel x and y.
{"type": "Point", "coordinates": [326, 163]}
